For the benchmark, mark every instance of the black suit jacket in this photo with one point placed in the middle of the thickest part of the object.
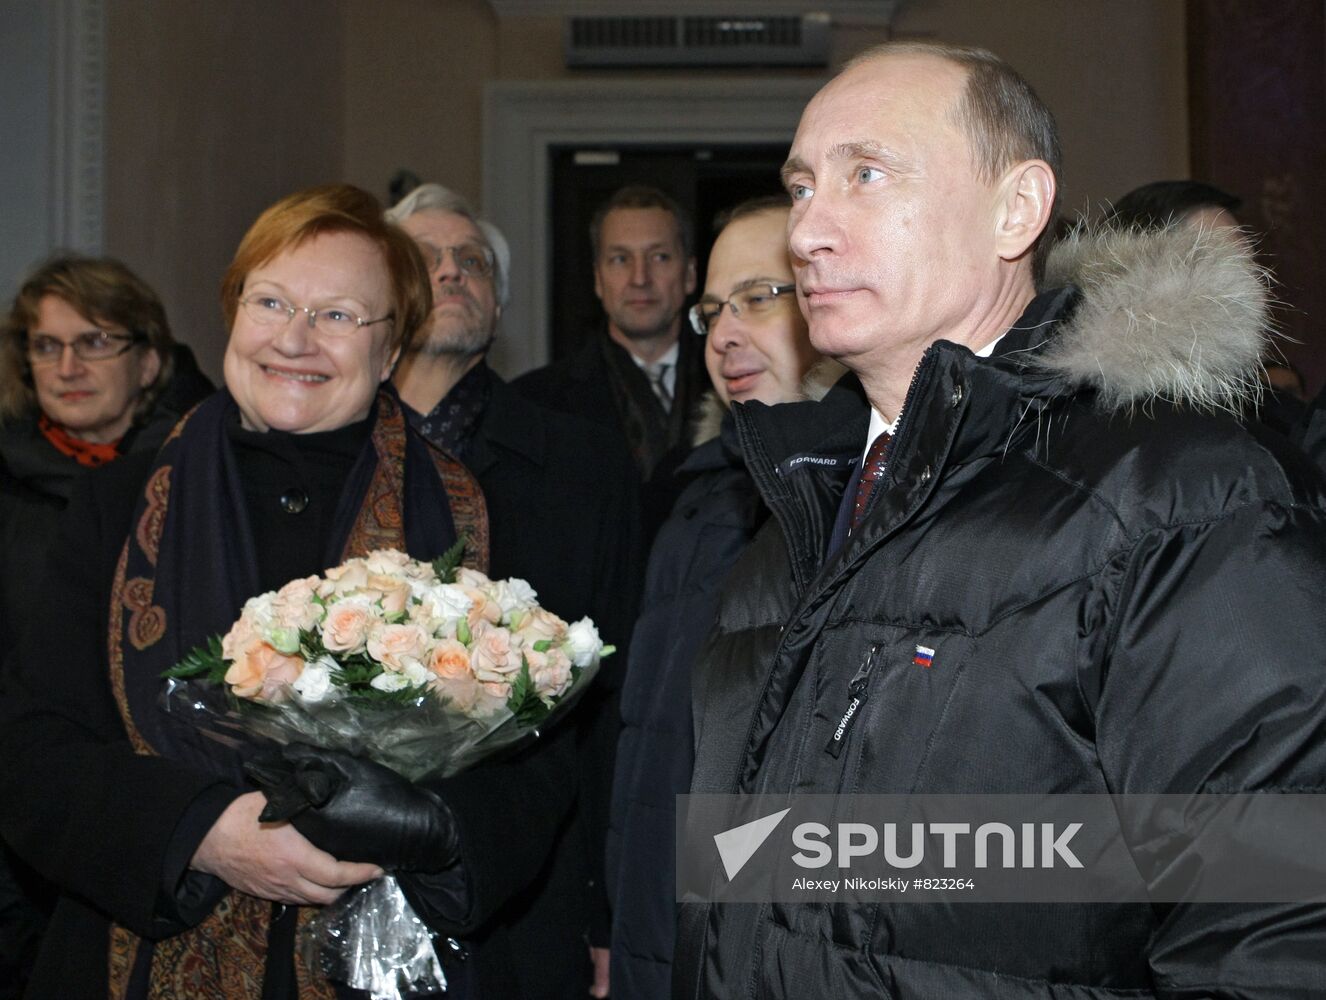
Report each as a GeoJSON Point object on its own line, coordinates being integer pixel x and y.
{"type": "Point", "coordinates": [563, 514]}
{"type": "Point", "coordinates": [579, 385]}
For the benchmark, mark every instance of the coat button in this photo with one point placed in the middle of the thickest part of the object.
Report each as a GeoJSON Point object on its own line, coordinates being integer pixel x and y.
{"type": "Point", "coordinates": [294, 501]}
{"type": "Point", "coordinates": [956, 398]}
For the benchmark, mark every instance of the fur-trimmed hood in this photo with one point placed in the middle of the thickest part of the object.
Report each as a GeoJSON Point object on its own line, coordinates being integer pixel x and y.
{"type": "Point", "coordinates": [709, 414]}
{"type": "Point", "coordinates": [1181, 315]}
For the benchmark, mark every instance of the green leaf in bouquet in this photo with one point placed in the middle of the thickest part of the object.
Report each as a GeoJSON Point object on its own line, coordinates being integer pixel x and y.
{"type": "Point", "coordinates": [355, 672]}
{"type": "Point", "coordinates": [463, 632]}
{"type": "Point", "coordinates": [523, 702]}
{"type": "Point", "coordinates": [203, 661]}
{"type": "Point", "coordinates": [542, 645]}
{"type": "Point", "coordinates": [310, 645]}
{"type": "Point", "coordinates": [396, 617]}
{"type": "Point", "coordinates": [448, 562]}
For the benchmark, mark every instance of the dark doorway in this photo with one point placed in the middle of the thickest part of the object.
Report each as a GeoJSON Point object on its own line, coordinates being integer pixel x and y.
{"type": "Point", "coordinates": [704, 180]}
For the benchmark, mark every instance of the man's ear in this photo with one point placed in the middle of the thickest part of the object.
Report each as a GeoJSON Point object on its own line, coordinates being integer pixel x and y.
{"type": "Point", "coordinates": [690, 275]}
{"type": "Point", "coordinates": [598, 282]}
{"type": "Point", "coordinates": [1025, 198]}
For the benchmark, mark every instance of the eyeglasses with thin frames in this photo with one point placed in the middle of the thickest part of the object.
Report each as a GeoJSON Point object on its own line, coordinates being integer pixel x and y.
{"type": "Point", "coordinates": [473, 259]}
{"type": "Point", "coordinates": [753, 300]}
{"type": "Point", "coordinates": [94, 345]}
{"type": "Point", "coordinates": [267, 309]}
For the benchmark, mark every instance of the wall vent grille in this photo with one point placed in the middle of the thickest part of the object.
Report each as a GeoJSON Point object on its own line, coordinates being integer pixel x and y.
{"type": "Point", "coordinates": [697, 41]}
{"type": "Point", "coordinates": [734, 31]}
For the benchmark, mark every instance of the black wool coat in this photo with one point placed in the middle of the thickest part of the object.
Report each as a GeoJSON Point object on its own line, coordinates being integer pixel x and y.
{"type": "Point", "coordinates": [563, 515]}
{"type": "Point", "coordinates": [579, 385]}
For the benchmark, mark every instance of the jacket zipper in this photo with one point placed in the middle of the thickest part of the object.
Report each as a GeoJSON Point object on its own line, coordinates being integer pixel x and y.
{"type": "Point", "coordinates": [858, 688]}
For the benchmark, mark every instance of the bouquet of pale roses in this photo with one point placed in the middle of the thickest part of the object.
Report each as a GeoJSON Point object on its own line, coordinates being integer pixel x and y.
{"type": "Point", "coordinates": [425, 668]}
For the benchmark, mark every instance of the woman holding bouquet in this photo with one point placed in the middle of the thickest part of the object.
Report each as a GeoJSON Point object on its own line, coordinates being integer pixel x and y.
{"type": "Point", "coordinates": [172, 887]}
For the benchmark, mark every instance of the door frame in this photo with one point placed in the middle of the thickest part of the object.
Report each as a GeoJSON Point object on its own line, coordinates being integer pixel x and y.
{"type": "Point", "coordinates": [522, 120]}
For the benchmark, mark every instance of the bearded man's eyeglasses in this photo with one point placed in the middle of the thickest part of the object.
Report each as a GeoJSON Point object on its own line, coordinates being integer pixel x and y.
{"type": "Point", "coordinates": [473, 259]}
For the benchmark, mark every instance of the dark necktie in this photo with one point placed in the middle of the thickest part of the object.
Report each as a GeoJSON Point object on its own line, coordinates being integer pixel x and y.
{"type": "Point", "coordinates": [871, 472]}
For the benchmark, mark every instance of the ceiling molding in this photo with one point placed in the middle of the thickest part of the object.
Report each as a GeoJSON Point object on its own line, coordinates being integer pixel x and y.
{"type": "Point", "coordinates": [857, 11]}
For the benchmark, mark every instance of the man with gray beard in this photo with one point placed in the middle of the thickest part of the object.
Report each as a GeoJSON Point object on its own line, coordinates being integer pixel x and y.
{"type": "Point", "coordinates": [563, 515]}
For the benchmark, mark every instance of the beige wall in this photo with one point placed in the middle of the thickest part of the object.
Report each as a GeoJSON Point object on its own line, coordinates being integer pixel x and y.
{"type": "Point", "coordinates": [415, 71]}
{"type": "Point", "coordinates": [1113, 73]}
{"type": "Point", "coordinates": [215, 109]}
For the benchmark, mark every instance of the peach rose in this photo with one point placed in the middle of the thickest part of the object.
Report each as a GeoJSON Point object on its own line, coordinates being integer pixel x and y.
{"type": "Point", "coordinates": [293, 606]}
{"type": "Point", "coordinates": [550, 672]}
{"type": "Point", "coordinates": [393, 645]}
{"type": "Point", "coordinates": [462, 693]}
{"type": "Point", "coordinates": [483, 608]}
{"type": "Point", "coordinates": [472, 578]}
{"type": "Point", "coordinates": [345, 629]}
{"type": "Point", "coordinates": [491, 653]}
{"type": "Point", "coordinates": [346, 578]}
{"type": "Point", "coordinates": [243, 634]}
{"type": "Point", "coordinates": [395, 592]}
{"type": "Point", "coordinates": [450, 660]}
{"type": "Point", "coordinates": [539, 624]}
{"type": "Point", "coordinates": [386, 562]}
{"type": "Point", "coordinates": [261, 673]}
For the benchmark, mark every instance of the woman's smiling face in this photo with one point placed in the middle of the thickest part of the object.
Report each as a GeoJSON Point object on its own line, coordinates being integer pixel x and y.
{"type": "Point", "coordinates": [291, 376]}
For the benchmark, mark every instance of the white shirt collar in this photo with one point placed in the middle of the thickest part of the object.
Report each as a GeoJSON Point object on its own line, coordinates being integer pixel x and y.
{"type": "Point", "coordinates": [668, 357]}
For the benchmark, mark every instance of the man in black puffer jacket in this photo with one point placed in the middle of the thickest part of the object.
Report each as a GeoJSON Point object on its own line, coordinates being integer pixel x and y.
{"type": "Point", "coordinates": [1117, 587]}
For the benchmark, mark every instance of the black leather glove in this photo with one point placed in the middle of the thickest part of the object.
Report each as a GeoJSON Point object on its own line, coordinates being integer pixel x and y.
{"type": "Point", "coordinates": [355, 809]}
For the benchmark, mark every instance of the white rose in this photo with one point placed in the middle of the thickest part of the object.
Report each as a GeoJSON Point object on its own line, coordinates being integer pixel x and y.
{"type": "Point", "coordinates": [445, 604]}
{"type": "Point", "coordinates": [261, 610]}
{"type": "Point", "coordinates": [415, 672]}
{"type": "Point", "coordinates": [582, 643]}
{"type": "Point", "coordinates": [315, 684]}
{"type": "Point", "coordinates": [514, 595]}
{"type": "Point", "coordinates": [390, 681]}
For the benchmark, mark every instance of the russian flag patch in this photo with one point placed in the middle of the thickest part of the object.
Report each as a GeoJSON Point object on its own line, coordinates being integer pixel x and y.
{"type": "Point", "coordinates": [924, 656]}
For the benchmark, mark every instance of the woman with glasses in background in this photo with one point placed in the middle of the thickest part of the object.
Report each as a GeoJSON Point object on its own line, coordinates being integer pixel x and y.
{"type": "Point", "coordinates": [85, 355]}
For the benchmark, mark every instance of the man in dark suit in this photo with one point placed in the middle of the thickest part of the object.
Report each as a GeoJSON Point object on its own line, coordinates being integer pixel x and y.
{"type": "Point", "coordinates": [563, 514]}
{"type": "Point", "coordinates": [641, 375]}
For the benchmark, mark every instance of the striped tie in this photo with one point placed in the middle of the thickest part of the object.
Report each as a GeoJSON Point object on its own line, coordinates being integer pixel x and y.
{"type": "Point", "coordinates": [656, 373]}
{"type": "Point", "coordinates": [871, 472]}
